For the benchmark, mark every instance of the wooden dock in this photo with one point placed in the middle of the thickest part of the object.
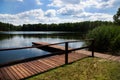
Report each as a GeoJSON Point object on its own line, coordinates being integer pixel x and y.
{"type": "Point", "coordinates": [50, 48]}
{"type": "Point", "coordinates": [26, 69]}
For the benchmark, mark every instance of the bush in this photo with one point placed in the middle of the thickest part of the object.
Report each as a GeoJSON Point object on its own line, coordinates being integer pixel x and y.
{"type": "Point", "coordinates": [116, 44]}
{"type": "Point", "coordinates": [107, 38]}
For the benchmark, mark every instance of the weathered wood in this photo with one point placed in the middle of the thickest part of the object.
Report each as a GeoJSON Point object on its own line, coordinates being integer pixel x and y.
{"type": "Point", "coordinates": [66, 53]}
{"type": "Point", "coordinates": [40, 64]}
{"type": "Point", "coordinates": [9, 73]}
{"type": "Point", "coordinates": [14, 73]}
{"type": "Point", "coordinates": [92, 45]}
{"type": "Point", "coordinates": [27, 69]}
{"type": "Point", "coordinates": [6, 76]}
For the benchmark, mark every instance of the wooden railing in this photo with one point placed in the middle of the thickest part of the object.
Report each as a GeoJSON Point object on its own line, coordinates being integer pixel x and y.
{"type": "Point", "coordinates": [40, 46]}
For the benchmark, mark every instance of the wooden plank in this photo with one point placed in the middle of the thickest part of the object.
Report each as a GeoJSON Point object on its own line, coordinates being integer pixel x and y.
{"type": "Point", "coordinates": [56, 60]}
{"type": "Point", "coordinates": [49, 65]}
{"type": "Point", "coordinates": [2, 77]}
{"type": "Point", "coordinates": [50, 62]}
{"type": "Point", "coordinates": [62, 57]}
{"type": "Point", "coordinates": [74, 56]}
{"type": "Point", "coordinates": [27, 69]}
{"type": "Point", "coordinates": [34, 68]}
{"type": "Point", "coordinates": [13, 73]}
{"type": "Point", "coordinates": [20, 71]}
{"type": "Point", "coordinates": [17, 72]}
{"type": "Point", "coordinates": [51, 46]}
{"type": "Point", "coordinates": [53, 62]}
{"type": "Point", "coordinates": [6, 76]}
{"type": "Point", "coordinates": [43, 65]}
{"type": "Point", "coordinates": [12, 77]}
{"type": "Point", "coordinates": [23, 70]}
{"type": "Point", "coordinates": [41, 68]}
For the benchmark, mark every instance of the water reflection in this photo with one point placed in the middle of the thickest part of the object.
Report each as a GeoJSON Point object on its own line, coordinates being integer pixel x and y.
{"type": "Point", "coordinates": [22, 39]}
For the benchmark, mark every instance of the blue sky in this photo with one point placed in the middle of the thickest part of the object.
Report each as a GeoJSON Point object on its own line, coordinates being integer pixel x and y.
{"type": "Point", "coordinates": [20, 12]}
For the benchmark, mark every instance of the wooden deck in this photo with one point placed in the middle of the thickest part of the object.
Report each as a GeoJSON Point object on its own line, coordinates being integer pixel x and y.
{"type": "Point", "coordinates": [27, 69]}
{"type": "Point", "coordinates": [100, 55]}
{"type": "Point", "coordinates": [50, 48]}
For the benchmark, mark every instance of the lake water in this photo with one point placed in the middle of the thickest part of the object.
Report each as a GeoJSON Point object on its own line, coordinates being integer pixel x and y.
{"type": "Point", "coordinates": [23, 39]}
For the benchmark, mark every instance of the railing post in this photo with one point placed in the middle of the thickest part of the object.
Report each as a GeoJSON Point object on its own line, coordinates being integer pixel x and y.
{"type": "Point", "coordinates": [66, 52]}
{"type": "Point", "coordinates": [92, 46]}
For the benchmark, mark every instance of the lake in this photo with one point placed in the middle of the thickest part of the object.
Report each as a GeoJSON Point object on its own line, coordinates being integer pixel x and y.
{"type": "Point", "coordinates": [23, 39]}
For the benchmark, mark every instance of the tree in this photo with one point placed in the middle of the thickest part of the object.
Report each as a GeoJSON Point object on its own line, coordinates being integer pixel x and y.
{"type": "Point", "coordinates": [116, 17]}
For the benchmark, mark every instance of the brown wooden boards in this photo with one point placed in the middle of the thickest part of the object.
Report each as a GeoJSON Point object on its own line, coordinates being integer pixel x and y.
{"type": "Point", "coordinates": [27, 69]}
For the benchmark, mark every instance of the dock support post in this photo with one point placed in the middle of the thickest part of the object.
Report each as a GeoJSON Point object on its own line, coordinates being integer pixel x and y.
{"type": "Point", "coordinates": [66, 52]}
{"type": "Point", "coordinates": [92, 45]}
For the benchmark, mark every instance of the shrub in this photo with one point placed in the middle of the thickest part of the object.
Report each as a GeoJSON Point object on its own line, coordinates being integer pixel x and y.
{"type": "Point", "coordinates": [107, 38]}
{"type": "Point", "coordinates": [116, 45]}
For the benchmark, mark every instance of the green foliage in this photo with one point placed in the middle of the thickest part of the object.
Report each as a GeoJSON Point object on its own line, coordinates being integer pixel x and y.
{"type": "Point", "coordinates": [116, 44]}
{"type": "Point", "coordinates": [7, 27]}
{"type": "Point", "coordinates": [107, 38]}
{"type": "Point", "coordinates": [82, 27]}
{"type": "Point", "coordinates": [85, 69]}
{"type": "Point", "coordinates": [116, 17]}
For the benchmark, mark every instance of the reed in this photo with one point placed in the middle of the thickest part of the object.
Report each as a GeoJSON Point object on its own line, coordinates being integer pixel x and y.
{"type": "Point", "coordinates": [107, 39]}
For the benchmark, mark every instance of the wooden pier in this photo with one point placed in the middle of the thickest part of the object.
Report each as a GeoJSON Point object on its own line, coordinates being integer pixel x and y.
{"type": "Point", "coordinates": [30, 68]}
{"type": "Point", "coordinates": [26, 69]}
{"type": "Point", "coordinates": [50, 48]}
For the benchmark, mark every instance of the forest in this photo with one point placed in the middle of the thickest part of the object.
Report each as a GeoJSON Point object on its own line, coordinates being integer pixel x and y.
{"type": "Point", "coordinates": [74, 27]}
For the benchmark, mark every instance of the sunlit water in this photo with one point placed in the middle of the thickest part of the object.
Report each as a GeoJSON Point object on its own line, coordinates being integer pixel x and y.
{"type": "Point", "coordinates": [23, 39]}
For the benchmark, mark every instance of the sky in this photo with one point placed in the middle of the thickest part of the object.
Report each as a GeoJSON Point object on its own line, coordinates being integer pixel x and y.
{"type": "Point", "coordinates": [19, 12]}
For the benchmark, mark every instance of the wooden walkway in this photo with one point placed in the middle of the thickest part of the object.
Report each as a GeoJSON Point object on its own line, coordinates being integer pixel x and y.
{"type": "Point", "coordinates": [27, 69]}
{"type": "Point", "coordinates": [100, 55]}
{"type": "Point", "coordinates": [96, 54]}
{"type": "Point", "coordinates": [50, 47]}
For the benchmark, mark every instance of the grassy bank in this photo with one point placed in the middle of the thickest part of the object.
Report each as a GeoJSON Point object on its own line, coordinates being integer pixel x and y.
{"type": "Point", "coordinates": [107, 39]}
{"type": "Point", "coordinates": [85, 69]}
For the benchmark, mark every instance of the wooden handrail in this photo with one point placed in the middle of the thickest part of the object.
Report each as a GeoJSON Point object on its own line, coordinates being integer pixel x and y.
{"type": "Point", "coordinates": [40, 46]}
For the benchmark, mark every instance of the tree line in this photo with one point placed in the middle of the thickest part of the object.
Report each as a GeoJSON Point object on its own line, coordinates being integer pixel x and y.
{"type": "Point", "coordinates": [7, 27]}
{"type": "Point", "coordinates": [78, 26]}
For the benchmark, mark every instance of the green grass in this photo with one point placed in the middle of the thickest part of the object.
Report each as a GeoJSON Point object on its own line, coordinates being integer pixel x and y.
{"type": "Point", "coordinates": [85, 69]}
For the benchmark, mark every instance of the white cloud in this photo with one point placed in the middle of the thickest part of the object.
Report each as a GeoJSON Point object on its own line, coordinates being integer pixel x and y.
{"type": "Point", "coordinates": [20, 0]}
{"type": "Point", "coordinates": [70, 10]}
{"type": "Point", "coordinates": [83, 3]}
{"type": "Point", "coordinates": [62, 3]}
{"type": "Point", "coordinates": [97, 3]}
{"type": "Point", "coordinates": [74, 14]}
{"type": "Point", "coordinates": [38, 2]}
{"type": "Point", "coordinates": [31, 16]}
{"type": "Point", "coordinates": [95, 16]}
{"type": "Point", "coordinates": [56, 3]}
{"type": "Point", "coordinates": [76, 9]}
{"type": "Point", "coordinates": [50, 13]}
{"type": "Point", "coordinates": [71, 1]}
